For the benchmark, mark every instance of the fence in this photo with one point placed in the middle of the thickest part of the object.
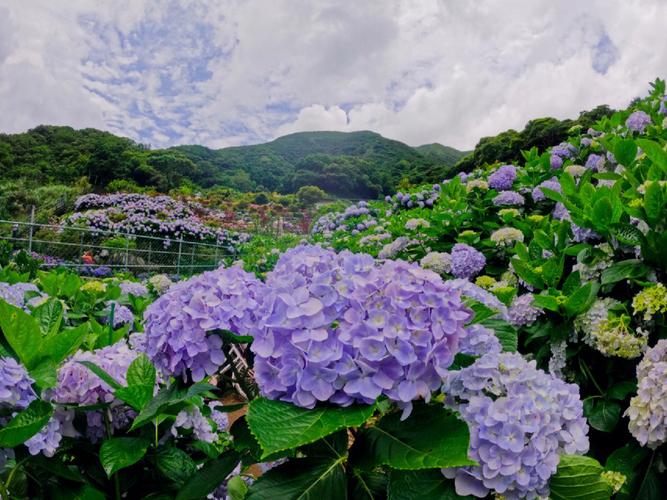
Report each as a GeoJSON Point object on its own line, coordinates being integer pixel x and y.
{"type": "Point", "coordinates": [67, 246]}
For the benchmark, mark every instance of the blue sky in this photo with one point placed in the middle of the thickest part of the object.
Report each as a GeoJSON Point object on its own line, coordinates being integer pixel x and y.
{"type": "Point", "coordinates": [232, 72]}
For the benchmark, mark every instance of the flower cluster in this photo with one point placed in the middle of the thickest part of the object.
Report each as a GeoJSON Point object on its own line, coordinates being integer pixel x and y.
{"type": "Point", "coordinates": [414, 224]}
{"type": "Point", "coordinates": [647, 411]}
{"type": "Point", "coordinates": [15, 385]}
{"type": "Point", "coordinates": [522, 312]}
{"type": "Point", "coordinates": [473, 184]}
{"type": "Point", "coordinates": [177, 323]}
{"type": "Point", "coordinates": [192, 418]}
{"type": "Point", "coordinates": [391, 250]}
{"type": "Point", "coordinates": [160, 283]}
{"type": "Point", "coordinates": [650, 301]}
{"type": "Point", "coordinates": [521, 420]}
{"type": "Point", "coordinates": [538, 194]}
{"type": "Point", "coordinates": [614, 337]}
{"type": "Point", "coordinates": [421, 199]}
{"type": "Point", "coordinates": [479, 340]}
{"type": "Point", "coordinates": [21, 295]}
{"type": "Point", "coordinates": [122, 315]}
{"type": "Point", "coordinates": [439, 262]}
{"type": "Point", "coordinates": [133, 288]}
{"type": "Point", "coordinates": [467, 262]}
{"type": "Point", "coordinates": [506, 236]}
{"type": "Point", "coordinates": [508, 198]}
{"type": "Point", "coordinates": [638, 121]}
{"type": "Point", "coordinates": [335, 221]}
{"type": "Point", "coordinates": [503, 178]}
{"type": "Point", "coordinates": [560, 153]}
{"type": "Point", "coordinates": [595, 162]}
{"type": "Point", "coordinates": [345, 328]}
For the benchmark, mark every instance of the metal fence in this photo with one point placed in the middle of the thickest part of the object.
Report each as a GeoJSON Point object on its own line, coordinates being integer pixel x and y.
{"type": "Point", "coordinates": [90, 251]}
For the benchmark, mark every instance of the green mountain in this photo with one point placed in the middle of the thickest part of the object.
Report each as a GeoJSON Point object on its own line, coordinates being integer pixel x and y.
{"type": "Point", "coordinates": [362, 164]}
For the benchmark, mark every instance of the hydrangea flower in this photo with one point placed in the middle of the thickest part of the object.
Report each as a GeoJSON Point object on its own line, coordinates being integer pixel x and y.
{"type": "Point", "coordinates": [507, 198]}
{"type": "Point", "coordinates": [650, 301]}
{"type": "Point", "coordinates": [439, 262]}
{"type": "Point", "coordinates": [177, 323]}
{"type": "Point", "coordinates": [94, 287]}
{"type": "Point", "coordinates": [638, 121]}
{"type": "Point", "coordinates": [522, 312]}
{"type": "Point", "coordinates": [575, 170]}
{"type": "Point", "coordinates": [47, 440]}
{"type": "Point", "coordinates": [503, 178]}
{"type": "Point", "coordinates": [506, 236]}
{"type": "Point", "coordinates": [476, 184]}
{"type": "Point", "coordinates": [17, 294]}
{"type": "Point", "coordinates": [414, 224]}
{"type": "Point", "coordinates": [192, 418]}
{"type": "Point", "coordinates": [555, 161]}
{"type": "Point", "coordinates": [133, 288]}
{"type": "Point", "coordinates": [391, 250]}
{"type": "Point", "coordinates": [467, 262]}
{"type": "Point", "coordinates": [479, 340]}
{"type": "Point", "coordinates": [15, 385]}
{"type": "Point", "coordinates": [122, 315]}
{"type": "Point", "coordinates": [595, 162]}
{"type": "Point", "coordinates": [160, 283]}
{"type": "Point", "coordinates": [647, 410]}
{"type": "Point", "coordinates": [521, 420]}
{"type": "Point", "coordinates": [537, 193]}
{"type": "Point", "coordinates": [344, 327]}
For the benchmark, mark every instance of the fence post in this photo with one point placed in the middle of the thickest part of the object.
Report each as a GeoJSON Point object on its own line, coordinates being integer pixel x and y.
{"type": "Point", "coordinates": [215, 262]}
{"type": "Point", "coordinates": [32, 222]}
{"type": "Point", "coordinates": [180, 249]}
{"type": "Point", "coordinates": [192, 260]}
{"type": "Point", "coordinates": [127, 251]}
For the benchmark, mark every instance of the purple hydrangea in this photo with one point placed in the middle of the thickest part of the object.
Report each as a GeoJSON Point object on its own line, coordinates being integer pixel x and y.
{"type": "Point", "coordinates": [564, 150]}
{"type": "Point", "coordinates": [538, 194]}
{"type": "Point", "coordinates": [176, 324]}
{"type": "Point", "coordinates": [347, 328]}
{"type": "Point", "coordinates": [122, 315]}
{"type": "Point", "coordinates": [522, 311]}
{"type": "Point", "coordinates": [508, 198]}
{"type": "Point", "coordinates": [521, 420]}
{"type": "Point", "coordinates": [192, 418]}
{"type": "Point", "coordinates": [47, 440]}
{"type": "Point", "coordinates": [479, 340]}
{"type": "Point", "coordinates": [467, 262]}
{"type": "Point", "coordinates": [586, 142]}
{"type": "Point", "coordinates": [15, 385]}
{"type": "Point", "coordinates": [503, 178]}
{"type": "Point", "coordinates": [555, 161]}
{"type": "Point", "coordinates": [133, 288]}
{"type": "Point", "coordinates": [595, 162]}
{"type": "Point", "coordinates": [17, 294]}
{"type": "Point", "coordinates": [662, 109]}
{"type": "Point", "coordinates": [638, 121]}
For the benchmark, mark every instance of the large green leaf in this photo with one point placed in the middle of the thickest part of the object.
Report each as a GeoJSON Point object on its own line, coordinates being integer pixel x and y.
{"type": "Point", "coordinates": [431, 437]}
{"type": "Point", "coordinates": [49, 315]}
{"type": "Point", "coordinates": [280, 426]}
{"type": "Point", "coordinates": [625, 151]}
{"type": "Point", "coordinates": [654, 205]}
{"type": "Point", "coordinates": [58, 346]}
{"type": "Point", "coordinates": [175, 464]}
{"type": "Point", "coordinates": [420, 485]}
{"type": "Point", "coordinates": [137, 396]}
{"type": "Point", "coordinates": [627, 460]}
{"type": "Point", "coordinates": [579, 477]}
{"type": "Point", "coordinates": [526, 273]}
{"type": "Point", "coordinates": [25, 424]}
{"type": "Point", "coordinates": [121, 452]}
{"type": "Point", "coordinates": [581, 299]}
{"type": "Point", "coordinates": [22, 333]}
{"type": "Point", "coordinates": [302, 479]}
{"type": "Point", "coordinates": [602, 414]}
{"type": "Point", "coordinates": [141, 371]}
{"type": "Point", "coordinates": [209, 477]}
{"type": "Point", "coordinates": [367, 485]}
{"type": "Point", "coordinates": [655, 152]}
{"type": "Point", "coordinates": [625, 269]}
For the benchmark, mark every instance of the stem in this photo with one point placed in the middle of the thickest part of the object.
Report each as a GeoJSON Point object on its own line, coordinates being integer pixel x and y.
{"type": "Point", "coordinates": [4, 491]}
{"type": "Point", "coordinates": [12, 472]}
{"type": "Point", "coordinates": [588, 373]}
{"type": "Point", "coordinates": [648, 469]}
{"type": "Point", "coordinates": [155, 424]}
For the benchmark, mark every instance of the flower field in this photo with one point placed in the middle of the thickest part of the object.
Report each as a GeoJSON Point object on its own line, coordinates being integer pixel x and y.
{"type": "Point", "coordinates": [501, 334]}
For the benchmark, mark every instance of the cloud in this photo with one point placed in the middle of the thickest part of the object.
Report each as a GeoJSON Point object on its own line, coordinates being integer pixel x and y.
{"type": "Point", "coordinates": [242, 71]}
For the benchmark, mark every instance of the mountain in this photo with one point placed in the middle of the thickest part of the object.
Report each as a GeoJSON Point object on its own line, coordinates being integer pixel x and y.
{"type": "Point", "coordinates": [354, 164]}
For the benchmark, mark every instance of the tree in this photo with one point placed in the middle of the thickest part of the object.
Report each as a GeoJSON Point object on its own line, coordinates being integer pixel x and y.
{"type": "Point", "coordinates": [309, 195]}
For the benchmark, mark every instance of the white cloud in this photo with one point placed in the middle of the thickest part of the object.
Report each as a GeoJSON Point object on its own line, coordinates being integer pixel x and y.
{"type": "Point", "coordinates": [225, 73]}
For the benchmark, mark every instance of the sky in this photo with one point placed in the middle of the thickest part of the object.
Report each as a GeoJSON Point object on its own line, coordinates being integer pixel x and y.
{"type": "Point", "coordinates": [231, 72]}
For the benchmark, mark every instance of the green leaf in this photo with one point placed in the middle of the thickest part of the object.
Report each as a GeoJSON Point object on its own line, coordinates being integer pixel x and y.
{"type": "Point", "coordinates": [627, 234]}
{"type": "Point", "coordinates": [627, 460]}
{"type": "Point", "coordinates": [237, 489]}
{"type": "Point", "coordinates": [141, 372]}
{"type": "Point", "coordinates": [622, 390]}
{"type": "Point", "coordinates": [22, 333]}
{"type": "Point", "coordinates": [175, 464]}
{"type": "Point", "coordinates": [26, 424]}
{"type": "Point", "coordinates": [58, 346]}
{"type": "Point", "coordinates": [302, 479]}
{"type": "Point", "coordinates": [209, 477]}
{"type": "Point", "coordinates": [121, 452]}
{"type": "Point", "coordinates": [526, 273]}
{"type": "Point", "coordinates": [579, 477]}
{"type": "Point", "coordinates": [281, 426]}
{"type": "Point", "coordinates": [625, 151]}
{"type": "Point", "coordinates": [655, 152]}
{"type": "Point", "coordinates": [367, 485]}
{"type": "Point", "coordinates": [137, 396]}
{"type": "Point", "coordinates": [506, 333]}
{"type": "Point", "coordinates": [431, 437]}
{"type": "Point", "coordinates": [625, 269]}
{"type": "Point", "coordinates": [420, 485]}
{"type": "Point", "coordinates": [581, 299]}
{"type": "Point", "coordinates": [101, 373]}
{"type": "Point", "coordinates": [45, 373]}
{"type": "Point", "coordinates": [654, 204]}
{"type": "Point", "coordinates": [49, 316]}
{"type": "Point", "coordinates": [602, 414]}
{"type": "Point", "coordinates": [546, 302]}
{"type": "Point", "coordinates": [602, 212]}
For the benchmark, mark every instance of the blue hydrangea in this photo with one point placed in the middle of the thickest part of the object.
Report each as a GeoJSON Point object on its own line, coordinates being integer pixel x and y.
{"type": "Point", "coordinates": [638, 121]}
{"type": "Point", "coordinates": [177, 324]}
{"type": "Point", "coordinates": [15, 385]}
{"type": "Point", "coordinates": [555, 161]}
{"type": "Point", "coordinates": [191, 418]}
{"type": "Point", "coordinates": [479, 340]}
{"type": "Point", "coordinates": [522, 311]}
{"type": "Point", "coordinates": [503, 178]}
{"type": "Point", "coordinates": [467, 262]}
{"type": "Point", "coordinates": [508, 198]}
{"type": "Point", "coordinates": [47, 440]}
{"type": "Point", "coordinates": [595, 162]}
{"type": "Point", "coordinates": [521, 420]}
{"type": "Point", "coordinates": [133, 288]}
{"type": "Point", "coordinates": [122, 315]}
{"type": "Point", "coordinates": [538, 194]}
{"type": "Point", "coordinates": [346, 328]}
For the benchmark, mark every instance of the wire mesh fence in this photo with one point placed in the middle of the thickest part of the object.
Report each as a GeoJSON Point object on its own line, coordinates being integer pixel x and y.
{"type": "Point", "coordinates": [97, 252]}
